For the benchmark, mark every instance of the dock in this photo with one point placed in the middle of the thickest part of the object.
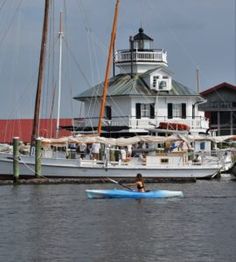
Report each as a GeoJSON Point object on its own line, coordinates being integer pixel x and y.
{"type": "Point", "coordinates": [47, 180]}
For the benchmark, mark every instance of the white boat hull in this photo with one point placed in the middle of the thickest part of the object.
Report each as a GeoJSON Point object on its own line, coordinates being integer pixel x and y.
{"type": "Point", "coordinates": [74, 169]}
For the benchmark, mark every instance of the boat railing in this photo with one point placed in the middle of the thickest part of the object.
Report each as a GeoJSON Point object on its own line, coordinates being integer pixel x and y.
{"type": "Point", "coordinates": [161, 159]}
{"type": "Point", "coordinates": [213, 157]}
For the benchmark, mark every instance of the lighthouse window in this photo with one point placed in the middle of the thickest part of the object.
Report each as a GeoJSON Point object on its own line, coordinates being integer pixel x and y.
{"type": "Point", "coordinates": [141, 44]}
{"type": "Point", "coordinates": [146, 45]}
{"type": "Point", "coordinates": [145, 110]}
{"type": "Point", "coordinates": [108, 113]}
{"type": "Point", "coordinates": [177, 110]}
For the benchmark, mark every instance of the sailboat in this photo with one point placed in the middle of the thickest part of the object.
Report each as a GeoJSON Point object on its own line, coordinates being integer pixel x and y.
{"type": "Point", "coordinates": [167, 165]}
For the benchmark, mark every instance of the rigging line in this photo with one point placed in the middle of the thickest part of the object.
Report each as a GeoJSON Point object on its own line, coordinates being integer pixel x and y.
{"type": "Point", "coordinates": [93, 39]}
{"type": "Point", "coordinates": [50, 82]}
{"type": "Point", "coordinates": [68, 73]}
{"type": "Point", "coordinates": [95, 91]}
{"type": "Point", "coordinates": [16, 55]}
{"type": "Point", "coordinates": [11, 22]}
{"type": "Point", "coordinates": [92, 45]}
{"type": "Point", "coordinates": [171, 32]}
{"type": "Point", "coordinates": [21, 98]}
{"type": "Point", "coordinates": [51, 53]}
{"type": "Point", "coordinates": [91, 48]}
{"type": "Point", "coordinates": [2, 4]}
{"type": "Point", "coordinates": [95, 94]}
{"type": "Point", "coordinates": [67, 69]}
{"type": "Point", "coordinates": [99, 75]}
{"type": "Point", "coordinates": [88, 31]}
{"type": "Point", "coordinates": [53, 100]}
{"type": "Point", "coordinates": [101, 45]}
{"type": "Point", "coordinates": [90, 56]}
{"type": "Point", "coordinates": [77, 64]}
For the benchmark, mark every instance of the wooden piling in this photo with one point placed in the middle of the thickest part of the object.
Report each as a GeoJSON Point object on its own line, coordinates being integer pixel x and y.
{"type": "Point", "coordinates": [16, 170]}
{"type": "Point", "coordinates": [38, 157]}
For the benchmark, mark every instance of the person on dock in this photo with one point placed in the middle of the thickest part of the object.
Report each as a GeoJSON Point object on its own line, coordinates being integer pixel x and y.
{"type": "Point", "coordinates": [82, 150]}
{"type": "Point", "coordinates": [95, 150]}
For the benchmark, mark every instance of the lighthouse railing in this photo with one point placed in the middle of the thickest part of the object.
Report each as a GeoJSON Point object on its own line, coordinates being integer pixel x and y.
{"type": "Point", "coordinates": [157, 55]}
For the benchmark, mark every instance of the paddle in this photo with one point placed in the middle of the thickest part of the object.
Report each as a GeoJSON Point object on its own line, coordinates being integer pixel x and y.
{"type": "Point", "coordinates": [119, 183]}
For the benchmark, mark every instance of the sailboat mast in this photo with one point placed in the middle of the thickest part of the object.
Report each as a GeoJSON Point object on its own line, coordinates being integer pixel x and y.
{"type": "Point", "coordinates": [108, 68]}
{"type": "Point", "coordinates": [61, 35]}
{"type": "Point", "coordinates": [35, 131]}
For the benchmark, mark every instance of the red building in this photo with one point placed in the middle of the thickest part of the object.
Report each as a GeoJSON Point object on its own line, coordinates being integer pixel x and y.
{"type": "Point", "coordinates": [22, 128]}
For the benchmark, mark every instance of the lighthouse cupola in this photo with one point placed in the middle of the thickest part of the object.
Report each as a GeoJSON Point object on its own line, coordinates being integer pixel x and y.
{"type": "Point", "coordinates": [141, 55]}
{"type": "Point", "coordinates": [142, 41]}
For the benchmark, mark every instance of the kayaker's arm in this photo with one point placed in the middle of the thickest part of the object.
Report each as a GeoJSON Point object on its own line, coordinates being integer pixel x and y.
{"type": "Point", "coordinates": [119, 183]}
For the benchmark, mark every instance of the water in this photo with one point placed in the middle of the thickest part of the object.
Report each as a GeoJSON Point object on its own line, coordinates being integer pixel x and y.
{"type": "Point", "coordinates": [58, 223]}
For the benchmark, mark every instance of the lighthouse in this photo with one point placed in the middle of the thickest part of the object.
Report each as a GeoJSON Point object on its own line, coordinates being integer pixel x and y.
{"type": "Point", "coordinates": [142, 96]}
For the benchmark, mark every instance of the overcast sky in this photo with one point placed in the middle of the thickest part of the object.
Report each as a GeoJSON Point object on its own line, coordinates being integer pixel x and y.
{"type": "Point", "coordinates": [194, 33]}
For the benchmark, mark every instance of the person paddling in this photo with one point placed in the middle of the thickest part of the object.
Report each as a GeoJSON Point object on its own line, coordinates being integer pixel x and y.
{"type": "Point", "coordinates": [140, 183]}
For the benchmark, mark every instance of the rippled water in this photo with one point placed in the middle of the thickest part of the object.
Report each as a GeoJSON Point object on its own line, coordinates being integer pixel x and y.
{"type": "Point", "coordinates": [59, 223]}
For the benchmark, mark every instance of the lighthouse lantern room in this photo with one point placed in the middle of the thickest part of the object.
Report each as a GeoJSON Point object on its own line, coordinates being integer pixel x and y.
{"type": "Point", "coordinates": [141, 56]}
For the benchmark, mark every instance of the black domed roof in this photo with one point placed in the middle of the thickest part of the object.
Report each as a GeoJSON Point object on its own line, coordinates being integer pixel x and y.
{"type": "Point", "coordinates": [142, 36]}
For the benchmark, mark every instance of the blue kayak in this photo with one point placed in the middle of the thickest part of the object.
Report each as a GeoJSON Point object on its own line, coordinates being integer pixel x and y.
{"type": "Point", "coordinates": [117, 193]}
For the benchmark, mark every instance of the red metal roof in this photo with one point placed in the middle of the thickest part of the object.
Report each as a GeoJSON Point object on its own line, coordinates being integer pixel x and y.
{"type": "Point", "coordinates": [22, 128]}
{"type": "Point", "coordinates": [217, 87]}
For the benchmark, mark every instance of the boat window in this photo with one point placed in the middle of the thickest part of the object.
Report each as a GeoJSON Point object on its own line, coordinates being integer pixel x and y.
{"type": "Point", "coordinates": [202, 146]}
{"type": "Point", "coordinates": [164, 161]}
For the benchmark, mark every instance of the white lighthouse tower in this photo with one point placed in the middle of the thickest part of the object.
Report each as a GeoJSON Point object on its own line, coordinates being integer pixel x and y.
{"type": "Point", "coordinates": [141, 56]}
